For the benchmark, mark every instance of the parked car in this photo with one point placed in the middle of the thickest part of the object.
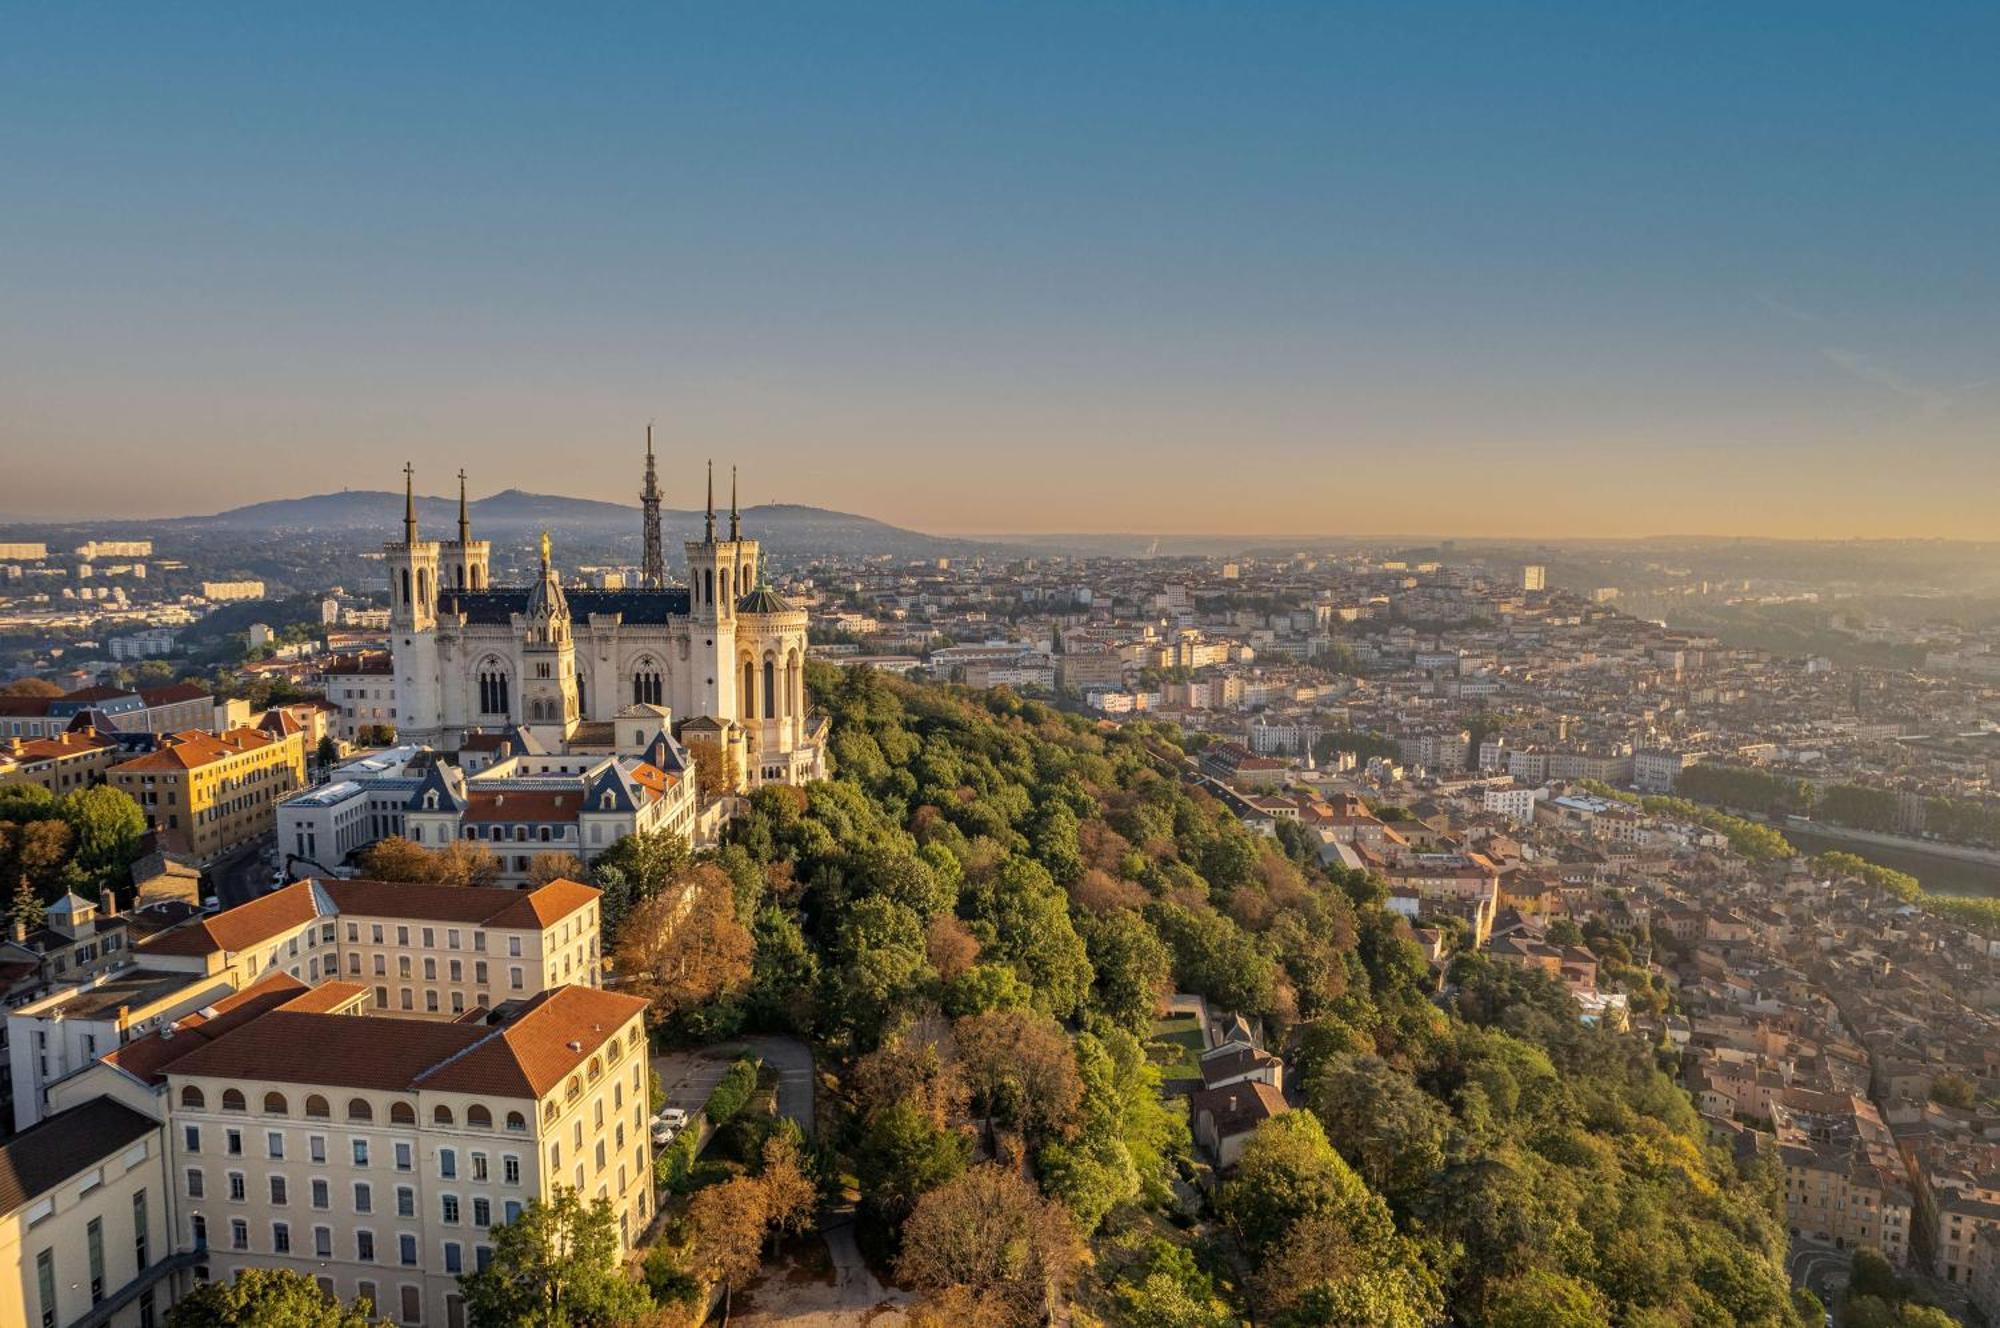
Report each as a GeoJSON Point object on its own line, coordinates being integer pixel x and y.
{"type": "Point", "coordinates": [663, 1133]}
{"type": "Point", "coordinates": [674, 1116]}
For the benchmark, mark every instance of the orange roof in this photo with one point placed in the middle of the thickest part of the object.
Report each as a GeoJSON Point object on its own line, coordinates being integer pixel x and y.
{"type": "Point", "coordinates": [547, 906]}
{"type": "Point", "coordinates": [192, 749]}
{"type": "Point", "coordinates": [148, 1057]}
{"type": "Point", "coordinates": [63, 744]}
{"type": "Point", "coordinates": [531, 1055]}
{"type": "Point", "coordinates": [241, 928]}
{"type": "Point", "coordinates": [483, 905]}
{"type": "Point", "coordinates": [298, 1048]}
{"type": "Point", "coordinates": [559, 1031]}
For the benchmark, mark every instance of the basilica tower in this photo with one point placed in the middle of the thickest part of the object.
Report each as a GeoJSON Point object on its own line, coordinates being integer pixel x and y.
{"type": "Point", "coordinates": [548, 702]}
{"type": "Point", "coordinates": [413, 590]}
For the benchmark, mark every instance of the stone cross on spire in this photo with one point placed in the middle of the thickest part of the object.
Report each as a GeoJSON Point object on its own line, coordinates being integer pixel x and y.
{"type": "Point", "coordinates": [409, 503]}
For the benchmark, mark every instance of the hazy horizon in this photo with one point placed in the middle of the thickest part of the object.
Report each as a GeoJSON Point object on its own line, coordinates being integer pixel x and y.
{"type": "Point", "coordinates": [1521, 274]}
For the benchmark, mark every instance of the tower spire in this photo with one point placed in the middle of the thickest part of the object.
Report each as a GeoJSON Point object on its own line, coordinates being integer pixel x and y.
{"type": "Point", "coordinates": [464, 521]}
{"type": "Point", "coordinates": [710, 536]}
{"type": "Point", "coordinates": [735, 521]}
{"type": "Point", "coordinates": [653, 560]}
{"type": "Point", "coordinates": [409, 503]}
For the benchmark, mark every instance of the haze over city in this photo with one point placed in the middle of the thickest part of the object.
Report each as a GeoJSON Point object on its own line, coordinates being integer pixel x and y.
{"type": "Point", "coordinates": [1532, 271]}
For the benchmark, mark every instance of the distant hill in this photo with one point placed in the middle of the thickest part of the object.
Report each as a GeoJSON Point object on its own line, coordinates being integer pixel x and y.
{"type": "Point", "coordinates": [377, 514]}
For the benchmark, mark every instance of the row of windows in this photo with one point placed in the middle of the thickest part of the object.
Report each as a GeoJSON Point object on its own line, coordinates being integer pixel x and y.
{"type": "Point", "coordinates": [236, 1189]}
{"type": "Point", "coordinates": [477, 1116]}
{"type": "Point", "coordinates": [378, 932]}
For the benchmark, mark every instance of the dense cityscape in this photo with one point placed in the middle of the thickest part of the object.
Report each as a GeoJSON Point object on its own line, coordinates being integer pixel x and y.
{"type": "Point", "coordinates": [941, 665]}
{"type": "Point", "coordinates": [1194, 863]}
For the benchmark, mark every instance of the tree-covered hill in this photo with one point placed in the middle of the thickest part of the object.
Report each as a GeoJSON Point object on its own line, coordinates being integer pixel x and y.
{"type": "Point", "coordinates": [975, 920]}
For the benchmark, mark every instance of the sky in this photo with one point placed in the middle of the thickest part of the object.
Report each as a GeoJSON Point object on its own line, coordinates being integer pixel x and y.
{"type": "Point", "coordinates": [1492, 269]}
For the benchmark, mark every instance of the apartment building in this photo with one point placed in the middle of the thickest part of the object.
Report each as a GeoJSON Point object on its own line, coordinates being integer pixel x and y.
{"type": "Point", "coordinates": [61, 764]}
{"type": "Point", "coordinates": [376, 1155]}
{"type": "Point", "coordinates": [83, 1221]}
{"type": "Point", "coordinates": [363, 686]}
{"type": "Point", "coordinates": [67, 1030]}
{"type": "Point", "coordinates": [423, 950]}
{"type": "Point", "coordinates": [208, 793]}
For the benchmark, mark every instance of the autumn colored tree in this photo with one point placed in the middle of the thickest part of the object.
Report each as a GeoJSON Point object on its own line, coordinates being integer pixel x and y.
{"type": "Point", "coordinates": [546, 867]}
{"type": "Point", "coordinates": [919, 1067]}
{"type": "Point", "coordinates": [395, 858]}
{"type": "Point", "coordinates": [684, 947]}
{"type": "Point", "coordinates": [460, 862]}
{"type": "Point", "coordinates": [990, 1241]}
{"type": "Point", "coordinates": [1019, 1068]}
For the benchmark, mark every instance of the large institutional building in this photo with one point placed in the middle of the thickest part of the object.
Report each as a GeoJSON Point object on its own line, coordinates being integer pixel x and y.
{"type": "Point", "coordinates": [724, 654]}
{"type": "Point", "coordinates": [355, 1080]}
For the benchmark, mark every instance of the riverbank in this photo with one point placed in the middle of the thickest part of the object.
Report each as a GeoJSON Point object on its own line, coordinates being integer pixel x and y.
{"type": "Point", "coordinates": [1941, 873]}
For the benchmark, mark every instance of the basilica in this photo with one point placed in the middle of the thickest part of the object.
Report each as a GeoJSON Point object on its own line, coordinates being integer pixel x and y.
{"type": "Point", "coordinates": [720, 660]}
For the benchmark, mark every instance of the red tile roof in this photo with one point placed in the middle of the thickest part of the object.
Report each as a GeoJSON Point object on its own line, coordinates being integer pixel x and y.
{"type": "Point", "coordinates": [385, 1054]}
{"type": "Point", "coordinates": [147, 1058]}
{"type": "Point", "coordinates": [528, 1057]}
{"type": "Point", "coordinates": [558, 1032]}
{"type": "Point", "coordinates": [519, 805]}
{"type": "Point", "coordinates": [191, 749]}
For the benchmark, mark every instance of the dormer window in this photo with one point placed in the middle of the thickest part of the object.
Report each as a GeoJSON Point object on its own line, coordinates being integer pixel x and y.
{"type": "Point", "coordinates": [431, 801]}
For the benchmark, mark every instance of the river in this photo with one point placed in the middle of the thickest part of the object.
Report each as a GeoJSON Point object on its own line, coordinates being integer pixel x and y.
{"type": "Point", "coordinates": [1944, 876]}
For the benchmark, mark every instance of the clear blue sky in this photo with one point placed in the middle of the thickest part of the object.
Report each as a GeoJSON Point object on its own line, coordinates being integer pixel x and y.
{"type": "Point", "coordinates": [1473, 269]}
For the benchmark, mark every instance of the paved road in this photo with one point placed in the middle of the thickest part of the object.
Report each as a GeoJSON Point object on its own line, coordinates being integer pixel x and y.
{"type": "Point", "coordinates": [793, 1061]}
{"type": "Point", "coordinates": [243, 875]}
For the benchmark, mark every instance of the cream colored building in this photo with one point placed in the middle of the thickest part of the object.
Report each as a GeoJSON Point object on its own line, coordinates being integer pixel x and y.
{"type": "Point", "coordinates": [426, 950]}
{"type": "Point", "coordinates": [84, 1221]}
{"type": "Point", "coordinates": [377, 1155]}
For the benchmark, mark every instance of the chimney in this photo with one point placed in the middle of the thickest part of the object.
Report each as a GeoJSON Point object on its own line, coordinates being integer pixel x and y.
{"type": "Point", "coordinates": [20, 930]}
{"type": "Point", "coordinates": [107, 904]}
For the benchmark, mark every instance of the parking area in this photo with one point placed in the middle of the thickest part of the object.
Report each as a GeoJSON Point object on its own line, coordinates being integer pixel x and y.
{"type": "Point", "coordinates": [690, 1076]}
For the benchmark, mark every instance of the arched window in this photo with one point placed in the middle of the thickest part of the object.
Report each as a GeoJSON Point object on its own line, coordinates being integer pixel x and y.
{"type": "Point", "coordinates": [493, 689]}
{"type": "Point", "coordinates": [192, 1097]}
{"type": "Point", "coordinates": [275, 1105]}
{"type": "Point", "coordinates": [795, 701]}
{"type": "Point", "coordinates": [424, 585]}
{"type": "Point", "coordinates": [232, 1100]}
{"type": "Point", "coordinates": [708, 582]}
{"type": "Point", "coordinates": [596, 1069]}
{"type": "Point", "coordinates": [402, 1113]}
{"type": "Point", "coordinates": [478, 1117]}
{"type": "Point", "coordinates": [747, 703]}
{"type": "Point", "coordinates": [358, 1109]}
{"type": "Point", "coordinates": [647, 685]}
{"type": "Point", "coordinates": [573, 1090]}
{"type": "Point", "coordinates": [442, 1115]}
{"type": "Point", "coordinates": [316, 1108]}
{"type": "Point", "coordinates": [406, 586]}
{"type": "Point", "coordinates": [517, 1122]}
{"type": "Point", "coordinates": [770, 688]}
{"type": "Point", "coordinates": [478, 577]}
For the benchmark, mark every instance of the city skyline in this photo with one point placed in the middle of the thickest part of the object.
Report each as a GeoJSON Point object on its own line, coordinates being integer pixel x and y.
{"type": "Point", "coordinates": [1534, 275]}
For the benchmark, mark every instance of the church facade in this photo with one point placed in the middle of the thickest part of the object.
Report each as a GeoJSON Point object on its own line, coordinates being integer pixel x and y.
{"type": "Point", "coordinates": [723, 656]}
